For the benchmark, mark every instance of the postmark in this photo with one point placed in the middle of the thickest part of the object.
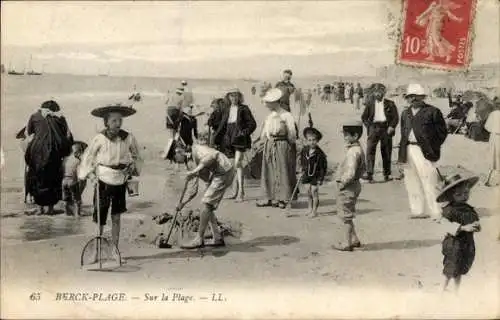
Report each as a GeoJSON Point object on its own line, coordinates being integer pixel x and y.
{"type": "Point", "coordinates": [437, 34]}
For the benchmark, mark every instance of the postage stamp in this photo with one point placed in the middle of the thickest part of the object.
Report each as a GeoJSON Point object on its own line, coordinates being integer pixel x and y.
{"type": "Point", "coordinates": [437, 34]}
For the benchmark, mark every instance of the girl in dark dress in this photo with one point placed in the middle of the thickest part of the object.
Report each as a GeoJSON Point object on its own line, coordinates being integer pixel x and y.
{"type": "Point", "coordinates": [51, 142]}
{"type": "Point", "coordinates": [458, 246]}
{"type": "Point", "coordinates": [235, 133]}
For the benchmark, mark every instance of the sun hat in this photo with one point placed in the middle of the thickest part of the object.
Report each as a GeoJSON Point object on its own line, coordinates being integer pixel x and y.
{"type": "Point", "coordinates": [184, 82]}
{"type": "Point", "coordinates": [314, 131]}
{"type": "Point", "coordinates": [288, 71]}
{"type": "Point", "coordinates": [415, 89]}
{"type": "Point", "coordinates": [125, 111]}
{"type": "Point", "coordinates": [272, 95]}
{"type": "Point", "coordinates": [353, 125]}
{"type": "Point", "coordinates": [454, 182]}
{"type": "Point", "coordinates": [233, 90]}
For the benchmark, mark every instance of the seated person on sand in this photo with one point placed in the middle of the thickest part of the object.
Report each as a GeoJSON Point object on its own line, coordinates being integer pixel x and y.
{"type": "Point", "coordinates": [457, 116]}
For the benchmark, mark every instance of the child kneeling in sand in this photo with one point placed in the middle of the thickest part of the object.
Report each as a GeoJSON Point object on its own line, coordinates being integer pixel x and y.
{"type": "Point", "coordinates": [348, 185]}
{"type": "Point", "coordinates": [72, 187]}
{"type": "Point", "coordinates": [460, 221]}
{"type": "Point", "coordinates": [314, 164]}
{"type": "Point", "coordinates": [217, 171]}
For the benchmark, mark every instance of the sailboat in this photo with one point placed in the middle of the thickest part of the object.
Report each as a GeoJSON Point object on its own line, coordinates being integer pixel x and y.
{"type": "Point", "coordinates": [31, 72]}
{"type": "Point", "coordinates": [13, 72]}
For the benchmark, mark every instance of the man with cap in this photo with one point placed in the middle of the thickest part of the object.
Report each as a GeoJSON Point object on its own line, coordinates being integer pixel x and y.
{"type": "Point", "coordinates": [423, 132]}
{"type": "Point", "coordinates": [111, 158]}
{"type": "Point", "coordinates": [380, 117]}
{"type": "Point", "coordinates": [187, 95]}
{"type": "Point", "coordinates": [287, 87]}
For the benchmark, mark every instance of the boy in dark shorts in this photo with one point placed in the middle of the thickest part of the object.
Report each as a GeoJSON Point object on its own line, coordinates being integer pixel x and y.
{"type": "Point", "coordinates": [72, 188]}
{"type": "Point", "coordinates": [348, 185]}
{"type": "Point", "coordinates": [314, 165]}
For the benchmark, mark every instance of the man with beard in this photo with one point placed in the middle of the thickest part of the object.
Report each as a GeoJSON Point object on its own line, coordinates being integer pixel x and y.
{"type": "Point", "coordinates": [380, 118]}
{"type": "Point", "coordinates": [423, 132]}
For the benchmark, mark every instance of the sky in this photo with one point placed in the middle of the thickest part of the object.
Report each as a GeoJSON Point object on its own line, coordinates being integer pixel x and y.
{"type": "Point", "coordinates": [214, 39]}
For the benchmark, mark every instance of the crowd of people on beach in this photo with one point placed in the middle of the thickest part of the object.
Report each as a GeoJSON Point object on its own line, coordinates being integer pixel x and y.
{"type": "Point", "coordinates": [59, 166]}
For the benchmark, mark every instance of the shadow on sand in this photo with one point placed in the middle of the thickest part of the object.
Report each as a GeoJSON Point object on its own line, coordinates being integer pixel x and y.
{"type": "Point", "coordinates": [251, 246]}
{"type": "Point", "coordinates": [400, 245]}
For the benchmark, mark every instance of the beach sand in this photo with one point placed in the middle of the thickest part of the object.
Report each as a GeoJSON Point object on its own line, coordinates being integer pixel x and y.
{"type": "Point", "coordinates": [279, 268]}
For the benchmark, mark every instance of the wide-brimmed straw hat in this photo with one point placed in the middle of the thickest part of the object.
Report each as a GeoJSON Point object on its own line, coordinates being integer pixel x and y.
{"type": "Point", "coordinates": [314, 131]}
{"type": "Point", "coordinates": [272, 95]}
{"type": "Point", "coordinates": [415, 89]}
{"type": "Point", "coordinates": [454, 182]}
{"type": "Point", "coordinates": [125, 111]}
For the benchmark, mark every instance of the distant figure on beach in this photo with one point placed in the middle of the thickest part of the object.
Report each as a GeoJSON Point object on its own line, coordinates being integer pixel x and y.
{"type": "Point", "coordinates": [111, 158]}
{"type": "Point", "coordinates": [287, 87]}
{"type": "Point", "coordinates": [51, 142]}
{"type": "Point", "coordinates": [2, 159]}
{"type": "Point", "coordinates": [187, 95]}
{"type": "Point", "coordinates": [433, 18]}
{"type": "Point", "coordinates": [254, 90]}
{"type": "Point", "coordinates": [358, 95]}
{"type": "Point", "coordinates": [460, 221]}
{"type": "Point", "coordinates": [419, 150]}
{"type": "Point", "coordinates": [380, 118]}
{"type": "Point", "coordinates": [235, 133]}
{"type": "Point", "coordinates": [135, 96]}
{"type": "Point", "coordinates": [279, 159]}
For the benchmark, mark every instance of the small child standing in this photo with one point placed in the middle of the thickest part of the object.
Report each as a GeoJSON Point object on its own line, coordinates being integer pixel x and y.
{"type": "Point", "coordinates": [461, 221]}
{"type": "Point", "coordinates": [348, 185]}
{"type": "Point", "coordinates": [314, 165]}
{"type": "Point", "coordinates": [71, 186]}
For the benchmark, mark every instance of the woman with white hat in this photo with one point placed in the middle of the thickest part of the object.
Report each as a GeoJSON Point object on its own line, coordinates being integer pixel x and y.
{"type": "Point", "coordinates": [111, 157]}
{"type": "Point", "coordinates": [279, 135]}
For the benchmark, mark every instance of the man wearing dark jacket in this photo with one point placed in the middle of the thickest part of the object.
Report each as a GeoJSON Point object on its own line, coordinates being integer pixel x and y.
{"type": "Point", "coordinates": [381, 119]}
{"type": "Point", "coordinates": [423, 132]}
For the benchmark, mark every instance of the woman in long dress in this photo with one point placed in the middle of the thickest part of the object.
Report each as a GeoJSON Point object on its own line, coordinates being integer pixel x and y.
{"type": "Point", "coordinates": [493, 127]}
{"type": "Point", "coordinates": [51, 142]}
{"type": "Point", "coordinates": [278, 136]}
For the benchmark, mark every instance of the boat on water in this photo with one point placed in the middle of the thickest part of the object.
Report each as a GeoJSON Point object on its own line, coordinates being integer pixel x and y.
{"type": "Point", "coordinates": [32, 72]}
{"type": "Point", "coordinates": [15, 73]}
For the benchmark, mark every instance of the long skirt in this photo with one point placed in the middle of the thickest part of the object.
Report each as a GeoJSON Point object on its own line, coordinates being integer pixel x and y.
{"type": "Point", "coordinates": [277, 178]}
{"type": "Point", "coordinates": [45, 184]}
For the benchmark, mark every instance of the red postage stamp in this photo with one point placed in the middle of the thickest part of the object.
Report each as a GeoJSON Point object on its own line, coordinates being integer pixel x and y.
{"type": "Point", "coordinates": [437, 33]}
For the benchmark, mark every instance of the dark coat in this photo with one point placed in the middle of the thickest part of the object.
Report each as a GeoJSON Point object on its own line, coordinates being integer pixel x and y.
{"type": "Point", "coordinates": [245, 122]}
{"type": "Point", "coordinates": [314, 167]}
{"type": "Point", "coordinates": [429, 129]}
{"type": "Point", "coordinates": [390, 111]}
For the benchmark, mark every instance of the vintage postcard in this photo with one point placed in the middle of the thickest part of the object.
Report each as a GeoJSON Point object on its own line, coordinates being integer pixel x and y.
{"type": "Point", "coordinates": [260, 159]}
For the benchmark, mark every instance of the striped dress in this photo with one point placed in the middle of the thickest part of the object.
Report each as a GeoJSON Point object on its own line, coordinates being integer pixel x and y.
{"type": "Point", "coordinates": [278, 163]}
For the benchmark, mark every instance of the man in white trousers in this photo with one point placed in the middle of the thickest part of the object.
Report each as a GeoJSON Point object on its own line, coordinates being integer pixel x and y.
{"type": "Point", "coordinates": [423, 132]}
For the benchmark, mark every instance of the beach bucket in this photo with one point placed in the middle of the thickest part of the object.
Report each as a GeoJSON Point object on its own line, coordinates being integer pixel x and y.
{"type": "Point", "coordinates": [133, 187]}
